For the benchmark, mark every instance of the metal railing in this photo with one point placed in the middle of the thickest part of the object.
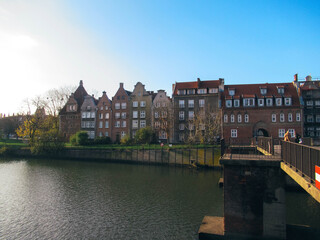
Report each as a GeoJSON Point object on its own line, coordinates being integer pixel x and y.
{"type": "Point", "coordinates": [266, 143]}
{"type": "Point", "coordinates": [303, 158]}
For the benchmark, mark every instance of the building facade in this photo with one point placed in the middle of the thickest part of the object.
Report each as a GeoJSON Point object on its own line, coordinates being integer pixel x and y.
{"type": "Point", "coordinates": [253, 110]}
{"type": "Point", "coordinates": [104, 116]}
{"type": "Point", "coordinates": [195, 104]}
{"type": "Point", "coordinates": [120, 116]}
{"type": "Point", "coordinates": [162, 116]}
{"type": "Point", "coordinates": [70, 114]}
{"type": "Point", "coordinates": [89, 116]}
{"type": "Point", "coordinates": [140, 108]}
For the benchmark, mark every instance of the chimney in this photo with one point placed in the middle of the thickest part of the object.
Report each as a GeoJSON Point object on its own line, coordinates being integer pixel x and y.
{"type": "Point", "coordinates": [308, 78]}
{"type": "Point", "coordinates": [296, 77]}
{"type": "Point", "coordinates": [198, 81]}
{"type": "Point", "coordinates": [121, 85]}
{"type": "Point", "coordinates": [81, 83]}
{"type": "Point", "coordinates": [221, 84]}
{"type": "Point", "coordinates": [104, 93]}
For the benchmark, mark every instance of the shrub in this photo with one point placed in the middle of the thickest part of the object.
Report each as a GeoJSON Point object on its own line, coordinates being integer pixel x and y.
{"type": "Point", "coordinates": [145, 136]}
{"type": "Point", "coordinates": [80, 138]}
{"type": "Point", "coordinates": [126, 140]}
{"type": "Point", "coordinates": [102, 140]}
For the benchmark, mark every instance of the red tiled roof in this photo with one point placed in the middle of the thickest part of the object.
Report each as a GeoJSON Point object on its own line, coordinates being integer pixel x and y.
{"type": "Point", "coordinates": [249, 90]}
{"type": "Point", "coordinates": [310, 85]}
{"type": "Point", "coordinates": [195, 85]}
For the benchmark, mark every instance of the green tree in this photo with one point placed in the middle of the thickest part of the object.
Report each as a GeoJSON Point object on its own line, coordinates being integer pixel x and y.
{"type": "Point", "coordinates": [80, 138]}
{"type": "Point", "coordinates": [145, 136]}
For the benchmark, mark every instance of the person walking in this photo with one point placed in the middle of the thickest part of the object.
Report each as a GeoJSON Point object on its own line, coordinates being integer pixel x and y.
{"type": "Point", "coordinates": [286, 137]}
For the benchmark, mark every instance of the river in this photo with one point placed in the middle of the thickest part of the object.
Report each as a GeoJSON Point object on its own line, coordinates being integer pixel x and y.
{"type": "Point", "coordinates": [55, 199]}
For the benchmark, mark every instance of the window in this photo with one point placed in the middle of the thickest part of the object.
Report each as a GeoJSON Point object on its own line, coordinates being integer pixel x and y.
{"type": "Point", "coordinates": [292, 133]}
{"type": "Point", "coordinates": [281, 117]}
{"type": "Point", "coordinates": [107, 124]}
{"type": "Point", "coordinates": [117, 125]}
{"type": "Point", "coordinates": [107, 115]}
{"type": "Point", "coordinates": [100, 134]}
{"type": "Point", "coordinates": [134, 104]}
{"type": "Point", "coordinates": [123, 97]}
{"type": "Point", "coordinates": [234, 133]}
{"type": "Point", "coordinates": [156, 114]}
{"type": "Point", "coordinates": [263, 91]}
{"type": "Point", "coordinates": [181, 126]}
{"type": "Point", "coordinates": [92, 124]}
{"type": "Point", "coordinates": [100, 115]}
{"type": "Point", "coordinates": [106, 108]}
{"type": "Point", "coordinates": [317, 118]}
{"type": "Point", "coordinates": [191, 91]}
{"type": "Point", "coordinates": [181, 103]}
{"type": "Point", "coordinates": [87, 124]}
{"type": "Point", "coordinates": [100, 124]}
{"type": "Point", "coordinates": [278, 101]}
{"type": "Point", "coordinates": [142, 114]}
{"type": "Point", "coordinates": [123, 115]}
{"type": "Point", "coordinates": [89, 108]}
{"type": "Point", "coordinates": [93, 114]}
{"type": "Point", "coordinates": [142, 123]}
{"type": "Point", "coordinates": [117, 115]}
{"type": "Point", "coordinates": [246, 118]}
{"type": "Point", "coordinates": [317, 102]}
{"type": "Point", "coordinates": [225, 118]}
{"type": "Point", "coordinates": [318, 132]}
{"type": "Point", "coordinates": [202, 91]}
{"type": "Point", "coordinates": [310, 118]}
{"type": "Point", "coordinates": [117, 106]}
{"type": "Point", "coordinates": [164, 104]}
{"type": "Point", "coordinates": [269, 102]}
{"type": "Point", "coordinates": [274, 117]}
{"type": "Point", "coordinates": [236, 103]}
{"type": "Point", "coordinates": [123, 133]}
{"type": "Point", "coordinates": [163, 135]}
{"type": "Point", "coordinates": [181, 115]}
{"type": "Point", "coordinates": [213, 90]}
{"type": "Point", "coordinates": [124, 105]}
{"type": "Point", "coordinates": [107, 134]}
{"type": "Point", "coordinates": [309, 103]}
{"type": "Point", "coordinates": [248, 102]}
{"type": "Point", "coordinates": [84, 114]}
{"type": "Point", "coordinates": [289, 117]}
{"type": "Point", "coordinates": [260, 102]}
{"type": "Point", "coordinates": [231, 92]}
{"type": "Point", "coordinates": [190, 103]}
{"type": "Point", "coordinates": [201, 102]}
{"type": "Point", "coordinates": [239, 118]}
{"type": "Point", "coordinates": [281, 133]}
{"type": "Point", "coordinates": [83, 124]}
{"type": "Point", "coordinates": [164, 114]}
{"type": "Point", "coordinates": [157, 104]}
{"type": "Point", "coordinates": [88, 114]}
{"type": "Point", "coordinates": [191, 126]}
{"type": "Point", "coordinates": [124, 124]}
{"type": "Point", "coordinates": [181, 137]}
{"type": "Point", "coordinates": [298, 117]}
{"type": "Point", "coordinates": [191, 115]}
{"type": "Point", "coordinates": [142, 103]}
{"type": "Point", "coordinates": [181, 92]}
{"type": "Point", "coordinates": [281, 90]}
{"type": "Point", "coordinates": [135, 114]}
{"type": "Point", "coordinates": [287, 101]}
{"type": "Point", "coordinates": [232, 118]}
{"type": "Point", "coordinates": [310, 131]}
{"type": "Point", "coordinates": [228, 103]}
{"type": "Point", "coordinates": [157, 124]}
{"type": "Point", "coordinates": [134, 124]}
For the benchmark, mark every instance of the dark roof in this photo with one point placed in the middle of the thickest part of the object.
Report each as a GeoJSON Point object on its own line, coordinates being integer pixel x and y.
{"type": "Point", "coordinates": [310, 85]}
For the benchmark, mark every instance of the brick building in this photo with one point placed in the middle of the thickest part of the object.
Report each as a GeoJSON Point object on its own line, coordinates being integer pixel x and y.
{"type": "Point", "coordinates": [104, 116]}
{"type": "Point", "coordinates": [252, 110]}
{"type": "Point", "coordinates": [162, 114]}
{"type": "Point", "coordinates": [120, 116]}
{"type": "Point", "coordinates": [70, 114]}
{"type": "Point", "coordinates": [88, 116]}
{"type": "Point", "coordinates": [191, 101]}
{"type": "Point", "coordinates": [309, 92]}
{"type": "Point", "coordinates": [140, 108]}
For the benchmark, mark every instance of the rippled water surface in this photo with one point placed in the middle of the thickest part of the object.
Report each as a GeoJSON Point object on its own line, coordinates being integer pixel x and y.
{"type": "Point", "coordinates": [50, 199]}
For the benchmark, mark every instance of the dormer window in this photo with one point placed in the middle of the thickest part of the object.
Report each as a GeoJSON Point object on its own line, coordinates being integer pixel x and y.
{"type": "Point", "coordinates": [287, 101]}
{"type": "Point", "coordinates": [280, 90]}
{"type": "Point", "coordinates": [231, 92]}
{"type": "Point", "coordinates": [278, 101]}
{"type": "Point", "coordinates": [191, 91]}
{"type": "Point", "coordinates": [202, 91]}
{"type": "Point", "coordinates": [236, 103]}
{"type": "Point", "coordinates": [181, 92]}
{"type": "Point", "coordinates": [213, 90]}
{"type": "Point", "coordinates": [228, 103]}
{"type": "Point", "coordinates": [263, 91]}
{"type": "Point", "coordinates": [269, 102]}
{"type": "Point", "coordinates": [260, 102]}
{"type": "Point", "coordinates": [88, 107]}
{"type": "Point", "coordinates": [248, 102]}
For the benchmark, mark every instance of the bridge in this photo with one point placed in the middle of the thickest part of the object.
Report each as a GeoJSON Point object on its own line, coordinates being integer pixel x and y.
{"type": "Point", "coordinates": [254, 188]}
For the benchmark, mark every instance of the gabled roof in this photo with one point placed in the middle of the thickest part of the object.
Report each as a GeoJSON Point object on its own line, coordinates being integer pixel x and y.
{"type": "Point", "coordinates": [310, 85]}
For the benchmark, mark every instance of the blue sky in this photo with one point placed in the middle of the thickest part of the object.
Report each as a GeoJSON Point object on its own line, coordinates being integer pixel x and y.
{"type": "Point", "coordinates": [154, 42]}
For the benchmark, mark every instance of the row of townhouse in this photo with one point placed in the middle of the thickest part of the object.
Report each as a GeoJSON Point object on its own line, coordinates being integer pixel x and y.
{"type": "Point", "coordinates": [242, 111]}
{"type": "Point", "coordinates": [123, 115]}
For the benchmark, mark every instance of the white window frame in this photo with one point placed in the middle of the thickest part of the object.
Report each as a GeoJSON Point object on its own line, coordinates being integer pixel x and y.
{"type": "Point", "coordinates": [287, 101]}
{"type": "Point", "coordinates": [298, 117]}
{"type": "Point", "coordinates": [273, 117]}
{"type": "Point", "coordinates": [143, 123]}
{"type": "Point", "coordinates": [190, 103]}
{"type": "Point", "coordinates": [124, 105]}
{"type": "Point", "coordinates": [269, 102]}
{"type": "Point", "coordinates": [234, 133]}
{"type": "Point", "coordinates": [134, 114]}
{"type": "Point", "coordinates": [107, 115]}
{"type": "Point", "coordinates": [135, 124]}
{"type": "Point", "coordinates": [135, 104]}
{"type": "Point", "coordinates": [260, 102]}
{"type": "Point", "coordinates": [181, 104]}
{"type": "Point", "coordinates": [246, 118]}
{"type": "Point", "coordinates": [202, 91]}
{"type": "Point", "coordinates": [248, 102]}
{"type": "Point", "coordinates": [228, 103]}
{"type": "Point", "coordinates": [232, 118]}
{"type": "Point", "coordinates": [281, 132]}
{"type": "Point", "coordinates": [278, 101]}
{"type": "Point", "coordinates": [181, 126]}
{"type": "Point", "coordinates": [292, 133]}
{"type": "Point", "coordinates": [191, 115]}
{"type": "Point", "coordinates": [281, 117]}
{"type": "Point", "coordinates": [290, 118]}
{"type": "Point", "coordinates": [225, 118]}
{"type": "Point", "coordinates": [142, 103]}
{"type": "Point", "coordinates": [239, 118]}
{"type": "Point", "coordinates": [117, 105]}
{"type": "Point", "coordinates": [236, 103]}
{"type": "Point", "coordinates": [106, 124]}
{"type": "Point", "coordinates": [142, 114]}
{"type": "Point", "coordinates": [181, 115]}
{"type": "Point", "coordinates": [201, 102]}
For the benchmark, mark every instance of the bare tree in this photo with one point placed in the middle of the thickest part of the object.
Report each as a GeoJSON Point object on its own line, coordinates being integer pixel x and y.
{"type": "Point", "coordinates": [163, 121]}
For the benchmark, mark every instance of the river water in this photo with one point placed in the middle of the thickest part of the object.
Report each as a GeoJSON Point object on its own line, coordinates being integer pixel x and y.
{"type": "Point", "coordinates": [54, 199]}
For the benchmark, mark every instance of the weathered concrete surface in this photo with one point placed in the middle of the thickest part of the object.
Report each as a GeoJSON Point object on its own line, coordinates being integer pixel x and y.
{"type": "Point", "coordinates": [211, 228]}
{"type": "Point", "coordinates": [306, 185]}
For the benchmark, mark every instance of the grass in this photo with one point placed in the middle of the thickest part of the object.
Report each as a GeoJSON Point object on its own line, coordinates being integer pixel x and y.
{"type": "Point", "coordinates": [12, 143]}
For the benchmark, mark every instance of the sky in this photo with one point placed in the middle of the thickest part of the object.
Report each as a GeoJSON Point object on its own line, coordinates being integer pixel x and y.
{"type": "Point", "coordinates": [50, 44]}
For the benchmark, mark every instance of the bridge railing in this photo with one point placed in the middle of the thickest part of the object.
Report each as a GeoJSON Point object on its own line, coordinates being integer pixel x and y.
{"type": "Point", "coordinates": [303, 158]}
{"type": "Point", "coordinates": [266, 143]}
